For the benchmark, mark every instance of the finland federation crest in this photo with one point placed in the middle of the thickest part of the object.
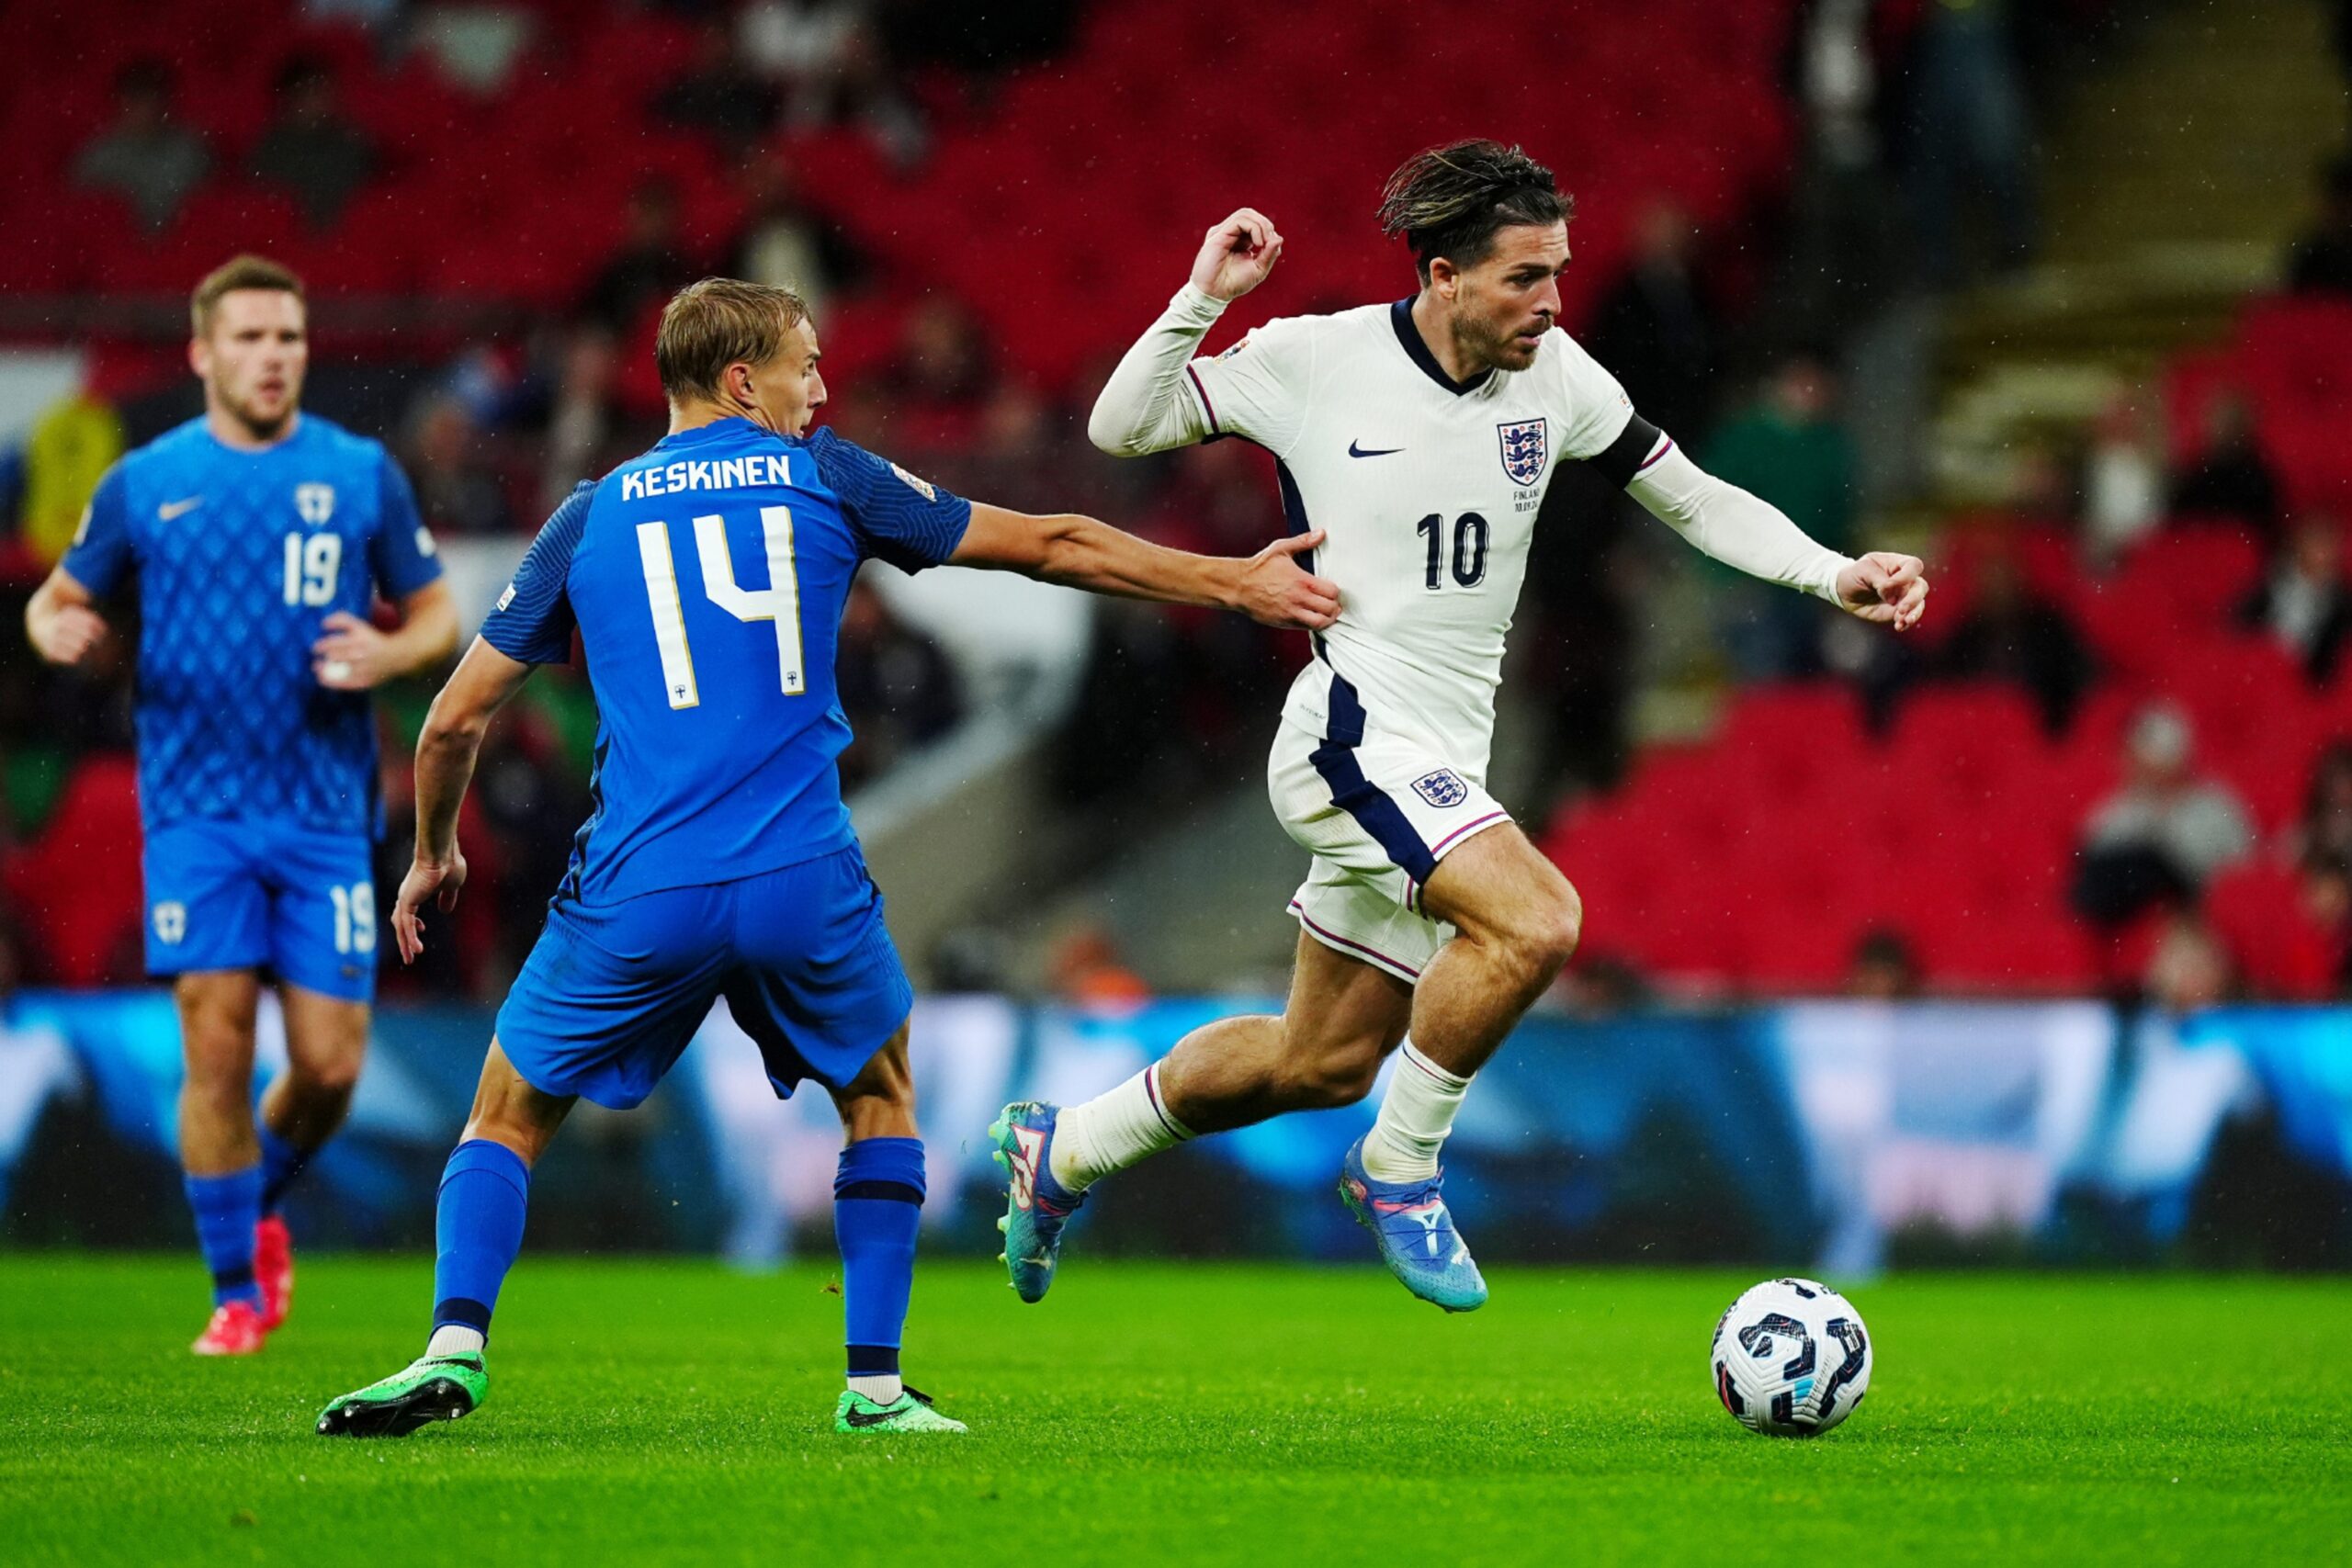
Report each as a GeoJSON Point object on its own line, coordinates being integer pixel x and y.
{"type": "Point", "coordinates": [1525, 448]}
{"type": "Point", "coordinates": [1444, 787]}
{"type": "Point", "coordinates": [315, 502]}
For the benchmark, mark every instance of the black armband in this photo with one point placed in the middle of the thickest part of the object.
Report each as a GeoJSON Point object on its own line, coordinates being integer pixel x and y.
{"type": "Point", "coordinates": [1622, 459]}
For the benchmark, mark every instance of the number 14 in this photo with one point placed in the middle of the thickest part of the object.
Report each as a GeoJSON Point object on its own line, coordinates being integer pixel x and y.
{"type": "Point", "coordinates": [779, 601]}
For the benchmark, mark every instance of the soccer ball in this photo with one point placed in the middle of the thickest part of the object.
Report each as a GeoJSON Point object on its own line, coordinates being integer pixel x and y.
{"type": "Point", "coordinates": [1790, 1359]}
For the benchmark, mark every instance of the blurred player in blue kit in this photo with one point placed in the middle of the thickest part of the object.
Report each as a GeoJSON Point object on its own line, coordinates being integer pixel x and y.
{"type": "Point", "coordinates": [255, 538]}
{"type": "Point", "coordinates": [706, 582]}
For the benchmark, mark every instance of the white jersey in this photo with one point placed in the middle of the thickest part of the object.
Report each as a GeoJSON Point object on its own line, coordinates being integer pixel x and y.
{"type": "Point", "coordinates": [1427, 489]}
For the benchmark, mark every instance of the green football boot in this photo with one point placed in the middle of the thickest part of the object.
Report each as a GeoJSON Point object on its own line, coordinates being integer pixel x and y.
{"type": "Point", "coordinates": [431, 1388]}
{"type": "Point", "coordinates": [911, 1412]}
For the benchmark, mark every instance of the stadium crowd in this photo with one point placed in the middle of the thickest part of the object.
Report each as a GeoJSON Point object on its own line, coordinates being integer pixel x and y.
{"type": "Point", "coordinates": [792, 141]}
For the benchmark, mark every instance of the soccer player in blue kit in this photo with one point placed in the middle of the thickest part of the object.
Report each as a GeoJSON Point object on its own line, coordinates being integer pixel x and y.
{"type": "Point", "coordinates": [256, 537]}
{"type": "Point", "coordinates": [706, 580]}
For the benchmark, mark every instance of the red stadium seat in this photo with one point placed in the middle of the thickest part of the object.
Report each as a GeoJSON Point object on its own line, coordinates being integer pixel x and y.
{"type": "Point", "coordinates": [80, 880]}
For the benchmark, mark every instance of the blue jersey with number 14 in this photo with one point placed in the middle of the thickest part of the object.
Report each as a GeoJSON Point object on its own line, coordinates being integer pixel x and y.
{"type": "Point", "coordinates": [706, 581]}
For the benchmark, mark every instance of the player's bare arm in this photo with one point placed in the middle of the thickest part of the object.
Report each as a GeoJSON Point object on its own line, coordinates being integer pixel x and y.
{"type": "Point", "coordinates": [485, 682]}
{"type": "Point", "coordinates": [354, 655]}
{"type": "Point", "coordinates": [61, 620]}
{"type": "Point", "coordinates": [1079, 552]}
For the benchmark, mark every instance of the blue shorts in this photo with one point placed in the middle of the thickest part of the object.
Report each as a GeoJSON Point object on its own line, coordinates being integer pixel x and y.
{"type": "Point", "coordinates": [253, 894]}
{"type": "Point", "coordinates": [612, 993]}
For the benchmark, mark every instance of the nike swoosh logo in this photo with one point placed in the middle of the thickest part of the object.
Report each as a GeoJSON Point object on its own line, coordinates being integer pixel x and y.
{"type": "Point", "coordinates": [172, 509]}
{"type": "Point", "coordinates": [863, 1418]}
{"type": "Point", "coordinates": [1356, 451]}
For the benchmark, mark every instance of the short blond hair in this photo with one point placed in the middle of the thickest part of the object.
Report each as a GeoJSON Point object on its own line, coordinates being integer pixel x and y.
{"type": "Point", "coordinates": [718, 323]}
{"type": "Point", "coordinates": [237, 272]}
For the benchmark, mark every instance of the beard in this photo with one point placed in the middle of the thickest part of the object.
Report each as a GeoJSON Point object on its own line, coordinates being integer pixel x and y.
{"type": "Point", "coordinates": [260, 425]}
{"type": "Point", "coordinates": [1493, 345]}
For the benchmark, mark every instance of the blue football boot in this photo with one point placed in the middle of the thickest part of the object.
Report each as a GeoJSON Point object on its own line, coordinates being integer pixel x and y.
{"type": "Point", "coordinates": [1416, 1235]}
{"type": "Point", "coordinates": [1036, 1207]}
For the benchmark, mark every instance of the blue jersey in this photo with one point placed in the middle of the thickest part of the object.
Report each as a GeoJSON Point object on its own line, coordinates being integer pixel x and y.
{"type": "Point", "coordinates": [238, 558]}
{"type": "Point", "coordinates": [706, 581]}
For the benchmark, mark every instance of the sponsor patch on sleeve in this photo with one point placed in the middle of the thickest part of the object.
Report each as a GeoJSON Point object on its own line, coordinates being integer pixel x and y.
{"type": "Point", "coordinates": [920, 487]}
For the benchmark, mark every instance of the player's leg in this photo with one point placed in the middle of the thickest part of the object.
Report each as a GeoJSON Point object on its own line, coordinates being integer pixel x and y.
{"type": "Point", "coordinates": [478, 1231]}
{"type": "Point", "coordinates": [1324, 1049]}
{"type": "Point", "coordinates": [605, 1001]}
{"type": "Point", "coordinates": [877, 1213]}
{"type": "Point", "coordinates": [206, 932]}
{"type": "Point", "coordinates": [1515, 919]}
{"type": "Point", "coordinates": [323, 946]}
{"type": "Point", "coordinates": [820, 983]}
{"type": "Point", "coordinates": [327, 1042]}
{"type": "Point", "coordinates": [218, 1149]}
{"type": "Point", "coordinates": [1516, 922]}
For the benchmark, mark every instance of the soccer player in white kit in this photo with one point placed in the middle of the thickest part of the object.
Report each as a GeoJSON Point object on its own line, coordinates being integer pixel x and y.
{"type": "Point", "coordinates": [1419, 437]}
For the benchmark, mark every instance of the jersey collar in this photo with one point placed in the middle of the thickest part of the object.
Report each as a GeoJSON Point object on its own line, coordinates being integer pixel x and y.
{"type": "Point", "coordinates": [732, 425]}
{"type": "Point", "coordinates": [1400, 316]}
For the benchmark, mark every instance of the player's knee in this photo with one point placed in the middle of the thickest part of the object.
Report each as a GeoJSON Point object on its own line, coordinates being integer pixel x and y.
{"type": "Point", "coordinates": [1545, 938]}
{"type": "Point", "coordinates": [219, 1086]}
{"type": "Point", "coordinates": [217, 1061]}
{"type": "Point", "coordinates": [1334, 1078]}
{"type": "Point", "coordinates": [333, 1078]}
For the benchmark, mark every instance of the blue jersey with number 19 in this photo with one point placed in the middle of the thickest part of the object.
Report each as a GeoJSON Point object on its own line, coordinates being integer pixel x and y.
{"type": "Point", "coordinates": [707, 580]}
{"type": "Point", "coordinates": [238, 558]}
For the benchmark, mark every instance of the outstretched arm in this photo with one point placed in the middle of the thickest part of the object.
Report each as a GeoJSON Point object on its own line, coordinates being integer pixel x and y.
{"type": "Point", "coordinates": [483, 682]}
{"type": "Point", "coordinates": [1078, 552]}
{"type": "Point", "coordinates": [1144, 407]}
{"type": "Point", "coordinates": [1756, 537]}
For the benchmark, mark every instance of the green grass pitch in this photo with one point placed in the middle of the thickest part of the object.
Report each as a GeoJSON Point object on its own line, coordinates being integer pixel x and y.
{"type": "Point", "coordinates": [649, 1412]}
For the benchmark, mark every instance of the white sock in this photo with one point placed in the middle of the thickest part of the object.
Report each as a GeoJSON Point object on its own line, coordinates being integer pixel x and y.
{"type": "Point", "coordinates": [883, 1389]}
{"type": "Point", "coordinates": [1113, 1131]}
{"type": "Point", "coordinates": [455, 1339]}
{"type": "Point", "coordinates": [1416, 1114]}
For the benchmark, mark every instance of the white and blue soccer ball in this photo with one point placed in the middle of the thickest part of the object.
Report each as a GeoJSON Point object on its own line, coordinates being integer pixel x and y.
{"type": "Point", "coordinates": [1790, 1359]}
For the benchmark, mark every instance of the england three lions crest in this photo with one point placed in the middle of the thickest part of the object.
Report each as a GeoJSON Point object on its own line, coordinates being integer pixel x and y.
{"type": "Point", "coordinates": [1442, 788]}
{"type": "Point", "coordinates": [1524, 449]}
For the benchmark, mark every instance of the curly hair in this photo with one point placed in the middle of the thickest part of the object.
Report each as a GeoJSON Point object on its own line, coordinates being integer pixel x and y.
{"type": "Point", "coordinates": [1452, 201]}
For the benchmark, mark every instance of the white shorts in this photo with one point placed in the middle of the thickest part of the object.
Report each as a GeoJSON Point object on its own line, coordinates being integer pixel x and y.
{"type": "Point", "coordinates": [1378, 811]}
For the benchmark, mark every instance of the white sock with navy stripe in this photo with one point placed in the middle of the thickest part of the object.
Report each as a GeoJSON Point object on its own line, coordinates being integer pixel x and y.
{"type": "Point", "coordinates": [1115, 1130]}
{"type": "Point", "coordinates": [1416, 1114]}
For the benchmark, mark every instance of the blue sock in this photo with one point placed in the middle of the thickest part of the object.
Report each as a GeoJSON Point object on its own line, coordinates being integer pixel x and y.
{"type": "Point", "coordinates": [479, 1229]}
{"type": "Point", "coordinates": [878, 1204]}
{"type": "Point", "coordinates": [281, 1162]}
{"type": "Point", "coordinates": [227, 1209]}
